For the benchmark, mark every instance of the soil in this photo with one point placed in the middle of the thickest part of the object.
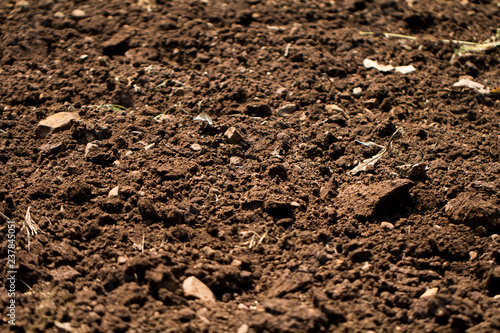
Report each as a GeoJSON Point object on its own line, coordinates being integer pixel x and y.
{"type": "Point", "coordinates": [262, 205]}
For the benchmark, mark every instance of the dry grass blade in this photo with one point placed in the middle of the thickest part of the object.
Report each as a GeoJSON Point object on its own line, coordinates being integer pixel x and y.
{"type": "Point", "coordinates": [256, 240]}
{"type": "Point", "coordinates": [374, 159]}
{"type": "Point", "coordinates": [32, 228]}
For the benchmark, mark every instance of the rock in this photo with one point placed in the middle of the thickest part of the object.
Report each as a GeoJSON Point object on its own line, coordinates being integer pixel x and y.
{"type": "Point", "coordinates": [282, 92]}
{"type": "Point", "coordinates": [195, 288]}
{"type": "Point", "coordinates": [473, 211]}
{"type": "Point", "coordinates": [195, 147]}
{"type": "Point", "coordinates": [103, 61]}
{"type": "Point", "coordinates": [387, 225]}
{"type": "Point", "coordinates": [357, 92]}
{"type": "Point", "coordinates": [429, 292]}
{"type": "Point", "coordinates": [57, 122]}
{"type": "Point", "coordinates": [368, 201]}
{"type": "Point", "coordinates": [115, 192]}
{"type": "Point", "coordinates": [59, 15]}
{"type": "Point", "coordinates": [332, 108]}
{"type": "Point", "coordinates": [235, 160]}
{"type": "Point", "coordinates": [287, 110]}
{"type": "Point", "coordinates": [233, 135]}
{"type": "Point", "coordinates": [78, 14]}
{"type": "Point", "coordinates": [243, 329]}
{"type": "Point", "coordinates": [90, 147]}
{"type": "Point", "coordinates": [22, 6]}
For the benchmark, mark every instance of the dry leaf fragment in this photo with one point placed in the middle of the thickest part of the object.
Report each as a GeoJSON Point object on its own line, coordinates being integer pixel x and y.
{"type": "Point", "coordinates": [373, 64]}
{"type": "Point", "coordinates": [468, 83]}
{"type": "Point", "coordinates": [204, 117]}
{"type": "Point", "coordinates": [388, 68]}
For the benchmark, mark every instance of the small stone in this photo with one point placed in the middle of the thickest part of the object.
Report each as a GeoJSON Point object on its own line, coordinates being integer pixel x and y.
{"type": "Point", "coordinates": [387, 225]}
{"type": "Point", "coordinates": [233, 135]}
{"type": "Point", "coordinates": [235, 160]}
{"type": "Point", "coordinates": [57, 122]}
{"type": "Point", "coordinates": [287, 110]}
{"type": "Point", "coordinates": [122, 259]}
{"type": "Point", "coordinates": [282, 92]}
{"type": "Point", "coordinates": [22, 6]}
{"type": "Point", "coordinates": [115, 192]}
{"type": "Point", "coordinates": [243, 329]}
{"type": "Point", "coordinates": [84, 57]}
{"type": "Point", "coordinates": [78, 14]}
{"type": "Point", "coordinates": [429, 292]}
{"type": "Point", "coordinates": [195, 147]}
{"type": "Point", "coordinates": [195, 288]}
{"type": "Point", "coordinates": [332, 108]}
{"type": "Point", "coordinates": [90, 148]}
{"type": "Point", "coordinates": [371, 103]}
{"type": "Point", "coordinates": [357, 92]}
{"type": "Point", "coordinates": [103, 60]}
{"type": "Point", "coordinates": [472, 255]}
{"type": "Point", "coordinates": [59, 15]}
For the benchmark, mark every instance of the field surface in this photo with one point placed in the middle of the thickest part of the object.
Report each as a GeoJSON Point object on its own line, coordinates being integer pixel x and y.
{"type": "Point", "coordinates": [250, 166]}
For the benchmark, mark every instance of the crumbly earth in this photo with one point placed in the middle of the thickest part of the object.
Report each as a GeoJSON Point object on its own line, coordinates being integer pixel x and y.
{"type": "Point", "coordinates": [262, 205]}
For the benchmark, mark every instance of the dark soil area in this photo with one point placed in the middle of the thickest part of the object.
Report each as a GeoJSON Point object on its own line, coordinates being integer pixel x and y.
{"type": "Point", "coordinates": [133, 201]}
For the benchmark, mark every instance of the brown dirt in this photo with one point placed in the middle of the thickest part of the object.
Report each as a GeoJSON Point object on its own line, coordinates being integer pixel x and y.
{"type": "Point", "coordinates": [341, 252]}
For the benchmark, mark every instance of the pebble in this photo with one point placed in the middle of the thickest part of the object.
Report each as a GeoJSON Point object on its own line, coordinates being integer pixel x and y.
{"type": "Point", "coordinates": [59, 15]}
{"type": "Point", "coordinates": [103, 60]}
{"type": "Point", "coordinates": [195, 288]}
{"type": "Point", "coordinates": [233, 135]}
{"type": "Point", "coordinates": [387, 225]}
{"type": "Point", "coordinates": [287, 110]}
{"type": "Point", "coordinates": [115, 192]}
{"type": "Point", "coordinates": [57, 122]}
{"type": "Point", "coordinates": [282, 92]}
{"type": "Point", "coordinates": [357, 92]}
{"type": "Point", "coordinates": [472, 255]}
{"type": "Point", "coordinates": [235, 160]}
{"type": "Point", "coordinates": [22, 6]}
{"type": "Point", "coordinates": [243, 329]}
{"type": "Point", "coordinates": [122, 259]}
{"type": "Point", "coordinates": [78, 14]}
{"type": "Point", "coordinates": [195, 147]}
{"type": "Point", "coordinates": [429, 292]}
{"type": "Point", "coordinates": [90, 147]}
{"type": "Point", "coordinates": [332, 108]}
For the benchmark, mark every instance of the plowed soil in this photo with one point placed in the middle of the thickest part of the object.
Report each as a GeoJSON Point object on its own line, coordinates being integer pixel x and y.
{"type": "Point", "coordinates": [262, 203]}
